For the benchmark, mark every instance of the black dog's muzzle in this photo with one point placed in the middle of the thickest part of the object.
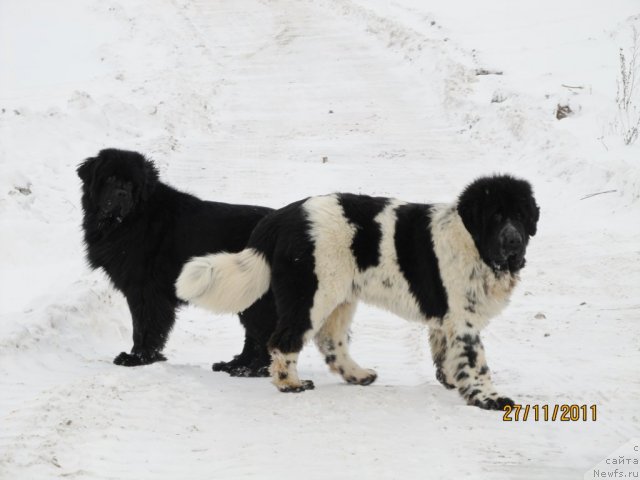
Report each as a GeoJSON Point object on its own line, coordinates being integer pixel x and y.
{"type": "Point", "coordinates": [114, 212]}
{"type": "Point", "coordinates": [117, 206]}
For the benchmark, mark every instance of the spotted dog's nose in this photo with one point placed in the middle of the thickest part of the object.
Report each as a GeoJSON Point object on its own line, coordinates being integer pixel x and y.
{"type": "Point", "coordinates": [511, 240]}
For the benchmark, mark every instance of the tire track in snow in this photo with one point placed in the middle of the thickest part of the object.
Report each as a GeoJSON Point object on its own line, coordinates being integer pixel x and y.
{"type": "Point", "coordinates": [369, 104]}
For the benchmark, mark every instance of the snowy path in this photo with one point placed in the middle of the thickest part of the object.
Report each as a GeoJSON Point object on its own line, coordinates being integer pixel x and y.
{"type": "Point", "coordinates": [242, 101]}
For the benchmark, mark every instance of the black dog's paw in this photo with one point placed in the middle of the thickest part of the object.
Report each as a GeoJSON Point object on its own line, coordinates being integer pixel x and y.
{"type": "Point", "coordinates": [239, 368]}
{"type": "Point", "coordinates": [138, 358]}
{"type": "Point", "coordinates": [222, 367]}
{"type": "Point", "coordinates": [236, 362]}
{"type": "Point", "coordinates": [441, 377]}
{"type": "Point", "coordinates": [126, 360]}
{"type": "Point", "coordinates": [240, 372]}
{"type": "Point", "coordinates": [493, 404]}
{"type": "Point", "coordinates": [262, 371]}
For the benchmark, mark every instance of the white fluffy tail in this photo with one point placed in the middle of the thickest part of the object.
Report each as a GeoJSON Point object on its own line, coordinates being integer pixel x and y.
{"type": "Point", "coordinates": [224, 282]}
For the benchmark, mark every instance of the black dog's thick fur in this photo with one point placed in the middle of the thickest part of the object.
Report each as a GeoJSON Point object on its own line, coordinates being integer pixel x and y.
{"type": "Point", "coordinates": [141, 231]}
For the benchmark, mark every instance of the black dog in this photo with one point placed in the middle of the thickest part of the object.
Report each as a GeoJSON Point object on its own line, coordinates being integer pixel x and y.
{"type": "Point", "coordinates": [450, 266]}
{"type": "Point", "coordinates": [141, 231]}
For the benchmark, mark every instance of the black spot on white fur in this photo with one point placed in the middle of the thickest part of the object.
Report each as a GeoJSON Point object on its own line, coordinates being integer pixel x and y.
{"type": "Point", "coordinates": [361, 211]}
{"type": "Point", "coordinates": [417, 259]}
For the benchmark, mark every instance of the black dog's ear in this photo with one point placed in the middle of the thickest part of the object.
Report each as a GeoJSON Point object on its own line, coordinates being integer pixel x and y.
{"type": "Point", "coordinates": [87, 173]}
{"type": "Point", "coordinates": [86, 169]}
{"type": "Point", "coordinates": [533, 217]}
{"type": "Point", "coordinates": [150, 179]}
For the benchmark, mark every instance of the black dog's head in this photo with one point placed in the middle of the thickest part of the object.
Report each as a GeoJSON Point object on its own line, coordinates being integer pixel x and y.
{"type": "Point", "coordinates": [115, 183]}
{"type": "Point", "coordinates": [501, 214]}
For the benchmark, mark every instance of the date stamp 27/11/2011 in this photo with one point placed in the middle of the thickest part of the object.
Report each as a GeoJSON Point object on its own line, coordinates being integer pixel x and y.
{"type": "Point", "coordinates": [550, 413]}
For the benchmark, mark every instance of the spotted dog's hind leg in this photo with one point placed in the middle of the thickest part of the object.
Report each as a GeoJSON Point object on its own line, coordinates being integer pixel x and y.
{"type": "Point", "coordinates": [285, 345]}
{"type": "Point", "coordinates": [333, 341]}
{"type": "Point", "coordinates": [466, 364]}
{"type": "Point", "coordinates": [284, 372]}
{"type": "Point", "coordinates": [293, 284]}
{"type": "Point", "coordinates": [438, 342]}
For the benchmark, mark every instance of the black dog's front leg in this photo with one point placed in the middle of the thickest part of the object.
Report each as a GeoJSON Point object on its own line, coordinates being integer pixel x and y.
{"type": "Point", "coordinates": [152, 318]}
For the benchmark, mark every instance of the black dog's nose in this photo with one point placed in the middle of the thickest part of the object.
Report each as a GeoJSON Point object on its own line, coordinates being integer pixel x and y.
{"type": "Point", "coordinates": [511, 239]}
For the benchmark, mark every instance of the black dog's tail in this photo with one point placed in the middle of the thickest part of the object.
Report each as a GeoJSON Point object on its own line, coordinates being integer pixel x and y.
{"type": "Point", "coordinates": [225, 282]}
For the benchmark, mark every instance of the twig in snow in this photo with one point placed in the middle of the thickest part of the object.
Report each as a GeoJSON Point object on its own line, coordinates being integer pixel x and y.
{"type": "Point", "coordinates": [628, 121]}
{"type": "Point", "coordinates": [602, 141]}
{"type": "Point", "coordinates": [486, 71]}
{"type": "Point", "coordinates": [598, 193]}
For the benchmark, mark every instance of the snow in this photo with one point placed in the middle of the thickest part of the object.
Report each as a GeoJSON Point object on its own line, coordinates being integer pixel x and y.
{"type": "Point", "coordinates": [271, 101]}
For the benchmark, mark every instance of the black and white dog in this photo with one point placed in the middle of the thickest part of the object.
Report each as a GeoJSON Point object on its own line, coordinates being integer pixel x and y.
{"type": "Point", "coordinates": [451, 266]}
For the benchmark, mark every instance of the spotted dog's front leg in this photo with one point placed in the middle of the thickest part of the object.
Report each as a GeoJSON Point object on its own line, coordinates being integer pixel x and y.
{"type": "Point", "coordinates": [465, 363]}
{"type": "Point", "coordinates": [438, 342]}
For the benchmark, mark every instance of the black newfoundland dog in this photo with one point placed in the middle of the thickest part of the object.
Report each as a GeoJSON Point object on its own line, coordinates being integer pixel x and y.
{"type": "Point", "coordinates": [450, 266]}
{"type": "Point", "coordinates": [141, 231]}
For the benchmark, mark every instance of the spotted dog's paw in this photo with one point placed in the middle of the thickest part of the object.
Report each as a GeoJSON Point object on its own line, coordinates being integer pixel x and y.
{"type": "Point", "coordinates": [492, 403]}
{"type": "Point", "coordinates": [304, 385]}
{"type": "Point", "coordinates": [367, 379]}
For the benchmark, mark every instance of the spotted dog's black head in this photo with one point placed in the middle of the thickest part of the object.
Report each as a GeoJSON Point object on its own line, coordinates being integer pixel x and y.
{"type": "Point", "coordinates": [115, 184]}
{"type": "Point", "coordinates": [501, 214]}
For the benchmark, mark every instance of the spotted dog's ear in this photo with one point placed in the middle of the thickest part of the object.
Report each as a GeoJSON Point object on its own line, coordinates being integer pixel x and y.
{"type": "Point", "coordinates": [471, 203]}
{"type": "Point", "coordinates": [150, 179]}
{"type": "Point", "coordinates": [533, 216]}
{"type": "Point", "coordinates": [471, 216]}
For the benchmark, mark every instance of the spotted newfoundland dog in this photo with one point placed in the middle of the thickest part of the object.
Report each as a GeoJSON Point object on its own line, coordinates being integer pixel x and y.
{"type": "Point", "coordinates": [141, 231]}
{"type": "Point", "coordinates": [451, 266]}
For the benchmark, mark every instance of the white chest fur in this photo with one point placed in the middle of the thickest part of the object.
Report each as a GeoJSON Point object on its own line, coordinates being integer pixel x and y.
{"type": "Point", "coordinates": [474, 291]}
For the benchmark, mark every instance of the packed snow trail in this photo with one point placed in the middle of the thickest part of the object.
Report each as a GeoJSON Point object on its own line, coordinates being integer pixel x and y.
{"type": "Point", "coordinates": [269, 102]}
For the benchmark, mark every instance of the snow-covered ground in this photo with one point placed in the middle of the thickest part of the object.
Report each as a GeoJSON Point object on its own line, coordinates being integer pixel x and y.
{"type": "Point", "coordinates": [269, 101]}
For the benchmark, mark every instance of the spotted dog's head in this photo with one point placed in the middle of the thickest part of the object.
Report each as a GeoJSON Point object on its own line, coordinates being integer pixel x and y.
{"type": "Point", "coordinates": [501, 214]}
{"type": "Point", "coordinates": [115, 184]}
